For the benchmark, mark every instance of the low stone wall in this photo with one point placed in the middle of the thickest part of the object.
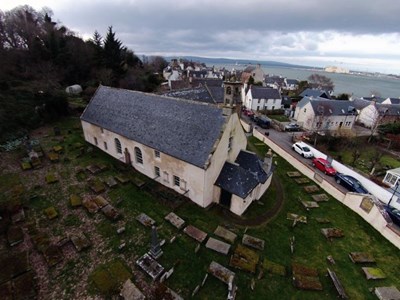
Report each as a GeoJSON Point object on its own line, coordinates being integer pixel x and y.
{"type": "Point", "coordinates": [351, 200]}
{"type": "Point", "coordinates": [246, 127]}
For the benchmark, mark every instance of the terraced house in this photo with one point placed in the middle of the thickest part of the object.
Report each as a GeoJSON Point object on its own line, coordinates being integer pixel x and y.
{"type": "Point", "coordinates": [196, 149]}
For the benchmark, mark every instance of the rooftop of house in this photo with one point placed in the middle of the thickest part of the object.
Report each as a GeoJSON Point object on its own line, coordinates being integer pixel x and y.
{"type": "Point", "coordinates": [183, 129]}
{"type": "Point", "coordinates": [394, 100]}
{"type": "Point", "coordinates": [241, 177]}
{"type": "Point", "coordinates": [292, 81]}
{"type": "Point", "coordinates": [315, 93]}
{"type": "Point", "coordinates": [374, 98]}
{"type": "Point", "coordinates": [264, 93]}
{"type": "Point", "coordinates": [327, 107]}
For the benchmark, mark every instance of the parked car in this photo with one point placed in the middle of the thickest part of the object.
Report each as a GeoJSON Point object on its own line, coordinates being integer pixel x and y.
{"type": "Point", "coordinates": [292, 127]}
{"type": "Point", "coordinates": [302, 149]}
{"type": "Point", "coordinates": [350, 183]}
{"type": "Point", "coordinates": [263, 122]}
{"type": "Point", "coordinates": [394, 214]}
{"type": "Point", "coordinates": [248, 113]}
{"type": "Point", "coordinates": [324, 166]}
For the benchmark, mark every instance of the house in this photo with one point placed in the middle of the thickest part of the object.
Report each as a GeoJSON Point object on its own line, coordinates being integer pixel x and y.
{"type": "Point", "coordinates": [192, 148]}
{"type": "Point", "coordinates": [275, 82]}
{"type": "Point", "coordinates": [371, 114]}
{"type": "Point", "coordinates": [374, 98]}
{"type": "Point", "coordinates": [262, 98]}
{"type": "Point", "coordinates": [315, 93]}
{"type": "Point", "coordinates": [291, 84]}
{"type": "Point", "coordinates": [391, 101]}
{"type": "Point", "coordinates": [392, 177]}
{"type": "Point", "coordinates": [253, 71]}
{"type": "Point", "coordinates": [325, 115]}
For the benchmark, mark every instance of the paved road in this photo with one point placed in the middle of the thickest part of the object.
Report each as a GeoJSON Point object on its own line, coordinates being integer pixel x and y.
{"type": "Point", "coordinates": [285, 141]}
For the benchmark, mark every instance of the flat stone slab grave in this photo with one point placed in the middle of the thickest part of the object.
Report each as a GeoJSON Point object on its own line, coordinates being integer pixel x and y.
{"type": "Point", "coordinates": [145, 220]}
{"type": "Point", "coordinates": [332, 232]}
{"type": "Point", "coordinates": [90, 205]}
{"type": "Point", "coordinates": [131, 291]}
{"type": "Point", "coordinates": [274, 268]}
{"type": "Point", "coordinates": [311, 188]}
{"type": "Point", "coordinates": [175, 220]}
{"type": "Point", "coordinates": [245, 259]}
{"type": "Point", "coordinates": [218, 246]}
{"type": "Point", "coordinates": [100, 201]}
{"type": "Point", "coordinates": [111, 182]}
{"type": "Point", "coordinates": [338, 285]}
{"type": "Point", "coordinates": [253, 242]}
{"type": "Point", "coordinates": [96, 185]}
{"type": "Point", "coordinates": [220, 272]}
{"type": "Point", "coordinates": [310, 204]}
{"type": "Point", "coordinates": [361, 257]}
{"type": "Point", "coordinates": [195, 233]}
{"type": "Point", "coordinates": [122, 178]}
{"type": "Point", "coordinates": [150, 266]}
{"type": "Point", "coordinates": [138, 182]}
{"type": "Point", "coordinates": [373, 273]}
{"type": "Point", "coordinates": [387, 293]}
{"type": "Point", "coordinates": [306, 278]}
{"type": "Point", "coordinates": [80, 241]}
{"type": "Point", "coordinates": [322, 220]}
{"type": "Point", "coordinates": [110, 212]}
{"type": "Point", "coordinates": [320, 198]}
{"type": "Point", "coordinates": [93, 169]}
{"type": "Point", "coordinates": [297, 218]}
{"type": "Point", "coordinates": [226, 234]}
{"type": "Point", "coordinates": [302, 180]}
{"type": "Point", "coordinates": [293, 174]}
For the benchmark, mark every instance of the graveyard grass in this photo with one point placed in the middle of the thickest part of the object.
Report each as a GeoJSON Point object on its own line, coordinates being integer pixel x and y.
{"type": "Point", "coordinates": [100, 269]}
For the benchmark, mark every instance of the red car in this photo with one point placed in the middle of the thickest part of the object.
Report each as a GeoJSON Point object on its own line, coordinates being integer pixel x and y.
{"type": "Point", "coordinates": [248, 113]}
{"type": "Point", "coordinates": [324, 166]}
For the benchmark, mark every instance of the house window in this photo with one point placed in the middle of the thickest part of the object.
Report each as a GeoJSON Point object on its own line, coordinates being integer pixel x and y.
{"type": "Point", "coordinates": [101, 129]}
{"type": "Point", "coordinates": [105, 145]}
{"type": "Point", "coordinates": [230, 143]}
{"type": "Point", "coordinates": [118, 145]}
{"type": "Point", "coordinates": [157, 171]}
{"type": "Point", "coordinates": [95, 141]}
{"type": "Point", "coordinates": [157, 153]}
{"type": "Point", "coordinates": [183, 184]}
{"type": "Point", "coordinates": [138, 155]}
{"type": "Point", "coordinates": [228, 90]}
{"type": "Point", "coordinates": [177, 181]}
{"type": "Point", "coordinates": [305, 109]}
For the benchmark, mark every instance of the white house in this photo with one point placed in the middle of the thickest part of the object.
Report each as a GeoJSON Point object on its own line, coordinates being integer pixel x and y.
{"type": "Point", "coordinates": [196, 149]}
{"type": "Point", "coordinates": [260, 98]}
{"type": "Point", "coordinates": [291, 84]}
{"type": "Point", "coordinates": [392, 177]}
{"type": "Point", "coordinates": [254, 71]}
{"type": "Point", "coordinates": [325, 115]}
{"type": "Point", "coordinates": [372, 114]}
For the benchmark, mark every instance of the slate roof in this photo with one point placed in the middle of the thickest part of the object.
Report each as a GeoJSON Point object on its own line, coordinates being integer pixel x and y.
{"type": "Point", "coordinates": [292, 81]}
{"type": "Point", "coordinates": [249, 69]}
{"type": "Point", "coordinates": [217, 93]}
{"type": "Point", "coordinates": [243, 176]}
{"type": "Point", "coordinates": [394, 100]}
{"type": "Point", "coordinates": [183, 129]}
{"type": "Point", "coordinates": [315, 93]}
{"type": "Point", "coordinates": [389, 109]}
{"type": "Point", "coordinates": [264, 93]}
{"type": "Point", "coordinates": [208, 81]}
{"type": "Point", "coordinates": [332, 107]}
{"type": "Point", "coordinates": [197, 94]}
{"type": "Point", "coordinates": [360, 103]}
{"type": "Point", "coordinates": [374, 98]}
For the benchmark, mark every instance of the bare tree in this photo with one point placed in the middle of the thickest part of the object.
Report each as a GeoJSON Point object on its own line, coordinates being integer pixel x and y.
{"type": "Point", "coordinates": [321, 82]}
{"type": "Point", "coordinates": [375, 160]}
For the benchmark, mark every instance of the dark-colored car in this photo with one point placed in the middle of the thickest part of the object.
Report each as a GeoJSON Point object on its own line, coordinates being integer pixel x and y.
{"type": "Point", "coordinates": [394, 214]}
{"type": "Point", "coordinates": [350, 183]}
{"type": "Point", "coordinates": [263, 122]}
{"type": "Point", "coordinates": [324, 166]}
{"type": "Point", "coordinates": [292, 127]}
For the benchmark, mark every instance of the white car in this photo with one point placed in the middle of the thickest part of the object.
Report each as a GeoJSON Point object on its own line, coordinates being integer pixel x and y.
{"type": "Point", "coordinates": [302, 149]}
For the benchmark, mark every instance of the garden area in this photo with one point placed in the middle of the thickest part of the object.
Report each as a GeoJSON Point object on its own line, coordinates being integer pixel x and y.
{"type": "Point", "coordinates": [78, 221]}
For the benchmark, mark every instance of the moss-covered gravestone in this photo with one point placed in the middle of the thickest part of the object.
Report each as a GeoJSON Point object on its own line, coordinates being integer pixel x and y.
{"type": "Point", "coordinates": [51, 178]}
{"type": "Point", "coordinates": [51, 213]}
{"type": "Point", "coordinates": [75, 200]}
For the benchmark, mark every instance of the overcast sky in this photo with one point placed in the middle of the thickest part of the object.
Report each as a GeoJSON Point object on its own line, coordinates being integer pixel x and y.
{"type": "Point", "coordinates": [355, 34]}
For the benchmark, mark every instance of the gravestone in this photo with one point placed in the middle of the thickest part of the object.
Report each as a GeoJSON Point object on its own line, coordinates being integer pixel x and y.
{"type": "Point", "coordinates": [373, 273]}
{"type": "Point", "coordinates": [306, 278]}
{"type": "Point", "coordinates": [311, 189]}
{"type": "Point", "coordinates": [150, 266]}
{"type": "Point", "coordinates": [175, 220]}
{"type": "Point", "coordinates": [145, 220]}
{"type": "Point", "coordinates": [220, 272]}
{"type": "Point", "coordinates": [130, 291]}
{"type": "Point", "coordinates": [90, 205]}
{"type": "Point", "coordinates": [293, 174]}
{"type": "Point", "coordinates": [302, 180]}
{"type": "Point", "coordinates": [387, 293]}
{"type": "Point", "coordinates": [338, 285]}
{"type": "Point", "coordinates": [332, 233]}
{"type": "Point", "coordinates": [110, 212]}
{"type": "Point", "coordinates": [224, 233]}
{"type": "Point", "coordinates": [361, 257]}
{"type": "Point", "coordinates": [100, 201]}
{"type": "Point", "coordinates": [310, 204]}
{"type": "Point", "coordinates": [80, 241]}
{"type": "Point", "coordinates": [195, 233]}
{"type": "Point", "coordinates": [320, 198]}
{"type": "Point", "coordinates": [253, 242]}
{"type": "Point", "coordinates": [155, 249]}
{"type": "Point", "coordinates": [245, 259]}
{"type": "Point", "coordinates": [52, 255]}
{"type": "Point", "coordinates": [75, 200]}
{"type": "Point", "coordinates": [111, 182]}
{"type": "Point", "coordinates": [274, 268]}
{"type": "Point", "coordinates": [51, 213]}
{"type": "Point", "coordinates": [218, 246]}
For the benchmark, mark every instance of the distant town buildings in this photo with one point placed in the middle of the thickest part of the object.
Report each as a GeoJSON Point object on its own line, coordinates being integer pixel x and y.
{"type": "Point", "coordinates": [334, 69]}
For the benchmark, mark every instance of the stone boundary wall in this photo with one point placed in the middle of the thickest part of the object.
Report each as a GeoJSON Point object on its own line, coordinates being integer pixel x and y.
{"type": "Point", "coordinates": [352, 200]}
